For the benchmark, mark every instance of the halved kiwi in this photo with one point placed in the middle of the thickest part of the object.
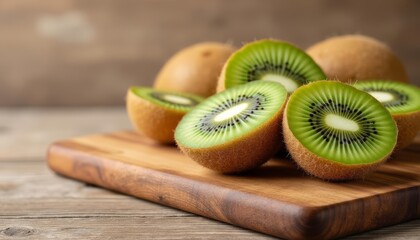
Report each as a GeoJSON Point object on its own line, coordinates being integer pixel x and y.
{"type": "Point", "coordinates": [157, 113]}
{"type": "Point", "coordinates": [337, 132]}
{"type": "Point", "coordinates": [402, 101]}
{"type": "Point", "coordinates": [235, 130]}
{"type": "Point", "coordinates": [270, 60]}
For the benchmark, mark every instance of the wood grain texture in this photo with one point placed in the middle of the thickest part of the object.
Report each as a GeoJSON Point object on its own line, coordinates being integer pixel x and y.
{"type": "Point", "coordinates": [88, 52]}
{"type": "Point", "coordinates": [275, 199]}
{"type": "Point", "coordinates": [35, 203]}
{"type": "Point", "coordinates": [25, 133]}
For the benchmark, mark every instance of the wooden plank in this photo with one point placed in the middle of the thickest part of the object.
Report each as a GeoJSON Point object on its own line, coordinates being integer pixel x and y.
{"type": "Point", "coordinates": [33, 180]}
{"type": "Point", "coordinates": [280, 200]}
{"type": "Point", "coordinates": [165, 227]}
{"type": "Point", "coordinates": [36, 128]}
{"type": "Point", "coordinates": [36, 204]}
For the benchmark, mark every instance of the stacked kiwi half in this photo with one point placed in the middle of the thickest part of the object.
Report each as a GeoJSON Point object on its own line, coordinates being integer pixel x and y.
{"type": "Point", "coordinates": [270, 60]}
{"type": "Point", "coordinates": [272, 95]}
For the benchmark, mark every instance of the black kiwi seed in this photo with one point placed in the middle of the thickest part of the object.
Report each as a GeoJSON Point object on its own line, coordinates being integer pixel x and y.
{"type": "Point", "coordinates": [208, 125]}
{"type": "Point", "coordinates": [319, 110]}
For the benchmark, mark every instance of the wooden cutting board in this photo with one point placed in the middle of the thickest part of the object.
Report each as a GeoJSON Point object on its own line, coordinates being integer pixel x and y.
{"type": "Point", "coordinates": [276, 199]}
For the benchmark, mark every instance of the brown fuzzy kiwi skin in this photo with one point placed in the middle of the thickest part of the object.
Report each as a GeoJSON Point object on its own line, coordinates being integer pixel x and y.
{"type": "Point", "coordinates": [349, 58]}
{"type": "Point", "coordinates": [408, 125]}
{"type": "Point", "coordinates": [194, 69]}
{"type": "Point", "coordinates": [155, 122]}
{"type": "Point", "coordinates": [320, 167]}
{"type": "Point", "coordinates": [243, 154]}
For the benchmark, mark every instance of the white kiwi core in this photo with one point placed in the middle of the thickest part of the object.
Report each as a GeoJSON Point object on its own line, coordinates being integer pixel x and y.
{"type": "Point", "coordinates": [382, 96]}
{"type": "Point", "coordinates": [229, 113]}
{"type": "Point", "coordinates": [341, 123]}
{"type": "Point", "coordinates": [177, 99]}
{"type": "Point", "coordinates": [288, 83]}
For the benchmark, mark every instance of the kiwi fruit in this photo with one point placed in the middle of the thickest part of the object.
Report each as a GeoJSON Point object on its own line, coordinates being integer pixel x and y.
{"type": "Point", "coordinates": [270, 60]}
{"type": "Point", "coordinates": [194, 69]}
{"type": "Point", "coordinates": [336, 132]}
{"type": "Point", "coordinates": [235, 130]}
{"type": "Point", "coordinates": [356, 57]}
{"type": "Point", "coordinates": [402, 101]}
{"type": "Point", "coordinates": [156, 113]}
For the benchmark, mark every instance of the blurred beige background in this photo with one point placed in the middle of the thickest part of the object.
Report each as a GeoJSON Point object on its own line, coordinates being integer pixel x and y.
{"type": "Point", "coordinates": [87, 52]}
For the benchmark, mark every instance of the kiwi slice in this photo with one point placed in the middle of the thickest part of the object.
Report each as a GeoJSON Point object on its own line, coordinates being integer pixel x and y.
{"type": "Point", "coordinates": [157, 113]}
{"type": "Point", "coordinates": [337, 132]}
{"type": "Point", "coordinates": [235, 130]}
{"type": "Point", "coordinates": [273, 61]}
{"type": "Point", "coordinates": [402, 101]}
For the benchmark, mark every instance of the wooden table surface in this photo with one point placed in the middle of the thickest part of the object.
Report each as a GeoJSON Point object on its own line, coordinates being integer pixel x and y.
{"type": "Point", "coordinates": [35, 203]}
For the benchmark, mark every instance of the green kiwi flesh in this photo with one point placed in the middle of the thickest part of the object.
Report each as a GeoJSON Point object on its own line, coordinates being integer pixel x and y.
{"type": "Point", "coordinates": [397, 97]}
{"type": "Point", "coordinates": [341, 124]}
{"type": "Point", "coordinates": [274, 61]}
{"type": "Point", "coordinates": [182, 102]}
{"type": "Point", "coordinates": [235, 130]}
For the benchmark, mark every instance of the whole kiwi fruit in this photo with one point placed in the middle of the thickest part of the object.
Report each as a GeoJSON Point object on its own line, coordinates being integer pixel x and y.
{"type": "Point", "coordinates": [336, 132]}
{"type": "Point", "coordinates": [156, 113]}
{"type": "Point", "coordinates": [349, 58]}
{"type": "Point", "coordinates": [194, 69]}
